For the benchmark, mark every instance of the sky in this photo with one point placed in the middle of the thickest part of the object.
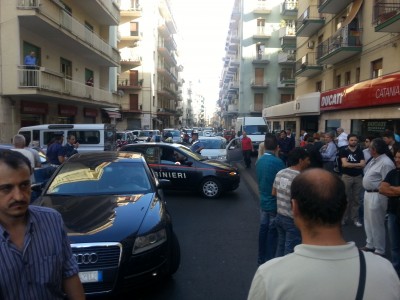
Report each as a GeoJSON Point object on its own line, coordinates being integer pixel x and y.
{"type": "Point", "coordinates": [203, 28]}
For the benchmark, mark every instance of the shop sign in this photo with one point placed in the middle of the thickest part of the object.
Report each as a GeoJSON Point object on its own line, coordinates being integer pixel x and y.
{"type": "Point", "coordinates": [67, 110]}
{"type": "Point", "coordinates": [384, 90]}
{"type": "Point", "coordinates": [376, 126]}
{"type": "Point", "coordinates": [34, 108]}
{"type": "Point", "coordinates": [90, 112]}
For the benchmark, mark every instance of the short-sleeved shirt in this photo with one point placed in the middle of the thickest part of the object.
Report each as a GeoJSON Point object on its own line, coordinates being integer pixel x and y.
{"type": "Point", "coordinates": [196, 145]}
{"type": "Point", "coordinates": [352, 157]}
{"type": "Point", "coordinates": [30, 60]}
{"type": "Point", "coordinates": [246, 144]}
{"type": "Point", "coordinates": [36, 271]}
{"type": "Point", "coordinates": [267, 167]}
{"type": "Point", "coordinates": [376, 170]}
{"type": "Point", "coordinates": [393, 178]}
{"type": "Point", "coordinates": [69, 150]}
{"type": "Point", "coordinates": [283, 182]}
{"type": "Point", "coordinates": [53, 152]}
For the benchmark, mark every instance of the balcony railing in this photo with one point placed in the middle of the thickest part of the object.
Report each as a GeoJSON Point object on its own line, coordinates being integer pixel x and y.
{"type": "Point", "coordinates": [28, 4]}
{"type": "Point", "coordinates": [347, 38]}
{"type": "Point", "coordinates": [262, 7]}
{"type": "Point", "coordinates": [286, 57]}
{"type": "Point", "coordinates": [289, 7]}
{"type": "Point", "coordinates": [257, 83]}
{"type": "Point", "coordinates": [307, 66]}
{"type": "Point", "coordinates": [309, 21]}
{"type": "Point", "coordinates": [385, 11]}
{"type": "Point", "coordinates": [44, 79]}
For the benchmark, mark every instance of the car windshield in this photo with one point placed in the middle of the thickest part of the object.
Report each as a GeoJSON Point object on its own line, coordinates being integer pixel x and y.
{"type": "Point", "coordinates": [175, 133]}
{"type": "Point", "coordinates": [255, 129]}
{"type": "Point", "coordinates": [190, 153]}
{"type": "Point", "coordinates": [144, 133]}
{"type": "Point", "coordinates": [77, 178]}
{"type": "Point", "coordinates": [213, 143]}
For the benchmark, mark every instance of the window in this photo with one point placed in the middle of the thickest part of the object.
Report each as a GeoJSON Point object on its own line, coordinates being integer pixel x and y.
{"type": "Point", "coordinates": [347, 77]}
{"type": "Point", "coordinates": [358, 75]}
{"type": "Point", "coordinates": [134, 28]}
{"type": "Point", "coordinates": [338, 80]}
{"type": "Point", "coordinates": [89, 78]}
{"type": "Point", "coordinates": [260, 26]}
{"type": "Point", "coordinates": [258, 102]}
{"type": "Point", "coordinates": [66, 68]}
{"type": "Point", "coordinates": [376, 68]}
{"type": "Point", "coordinates": [318, 86]}
{"type": "Point", "coordinates": [286, 98]}
{"type": "Point", "coordinates": [28, 48]}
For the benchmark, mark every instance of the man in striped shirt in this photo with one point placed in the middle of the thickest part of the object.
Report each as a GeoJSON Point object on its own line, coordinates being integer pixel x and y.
{"type": "Point", "coordinates": [36, 260]}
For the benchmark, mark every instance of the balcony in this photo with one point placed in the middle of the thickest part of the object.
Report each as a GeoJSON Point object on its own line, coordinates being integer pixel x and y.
{"type": "Point", "coordinates": [259, 84]}
{"type": "Point", "coordinates": [62, 29]}
{"type": "Point", "coordinates": [309, 22]}
{"type": "Point", "coordinates": [387, 17]}
{"type": "Point", "coordinates": [167, 55]}
{"type": "Point", "coordinates": [289, 8]}
{"type": "Point", "coordinates": [130, 10]}
{"type": "Point", "coordinates": [286, 79]}
{"type": "Point", "coordinates": [286, 57]}
{"type": "Point", "coordinates": [262, 7]}
{"type": "Point", "coordinates": [307, 66]}
{"type": "Point", "coordinates": [261, 59]}
{"type": "Point", "coordinates": [232, 109]}
{"type": "Point", "coordinates": [338, 48]}
{"type": "Point", "coordinates": [130, 58]}
{"type": "Point", "coordinates": [45, 83]}
{"type": "Point", "coordinates": [263, 32]}
{"type": "Point", "coordinates": [234, 85]}
{"type": "Point", "coordinates": [126, 84]}
{"type": "Point", "coordinates": [333, 6]}
{"type": "Point", "coordinates": [287, 36]}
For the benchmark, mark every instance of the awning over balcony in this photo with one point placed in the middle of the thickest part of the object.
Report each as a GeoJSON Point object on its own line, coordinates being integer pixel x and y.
{"type": "Point", "coordinates": [352, 14]}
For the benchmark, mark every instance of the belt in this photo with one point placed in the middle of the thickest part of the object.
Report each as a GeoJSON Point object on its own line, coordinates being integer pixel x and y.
{"type": "Point", "coordinates": [372, 191]}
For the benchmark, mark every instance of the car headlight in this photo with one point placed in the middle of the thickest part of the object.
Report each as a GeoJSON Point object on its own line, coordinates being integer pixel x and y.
{"type": "Point", "coordinates": [149, 241]}
{"type": "Point", "coordinates": [222, 157]}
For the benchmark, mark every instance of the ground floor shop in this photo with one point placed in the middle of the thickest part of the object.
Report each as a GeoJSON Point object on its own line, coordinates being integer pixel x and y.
{"type": "Point", "coordinates": [15, 114]}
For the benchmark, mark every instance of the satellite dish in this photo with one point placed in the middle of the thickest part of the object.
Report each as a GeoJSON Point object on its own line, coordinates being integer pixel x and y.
{"type": "Point", "coordinates": [120, 93]}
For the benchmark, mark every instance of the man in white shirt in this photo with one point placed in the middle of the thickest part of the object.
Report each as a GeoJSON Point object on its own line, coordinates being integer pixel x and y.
{"type": "Point", "coordinates": [341, 138]}
{"type": "Point", "coordinates": [324, 266]}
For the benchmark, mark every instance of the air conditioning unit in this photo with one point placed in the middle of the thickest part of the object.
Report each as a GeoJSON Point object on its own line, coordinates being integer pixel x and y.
{"type": "Point", "coordinates": [310, 45]}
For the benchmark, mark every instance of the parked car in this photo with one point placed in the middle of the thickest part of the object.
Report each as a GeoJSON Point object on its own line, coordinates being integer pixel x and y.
{"type": "Point", "coordinates": [176, 134]}
{"type": "Point", "coordinates": [145, 134]}
{"type": "Point", "coordinates": [218, 148]}
{"type": "Point", "coordinates": [187, 170]}
{"type": "Point", "coordinates": [116, 219]}
{"type": "Point", "coordinates": [124, 137]}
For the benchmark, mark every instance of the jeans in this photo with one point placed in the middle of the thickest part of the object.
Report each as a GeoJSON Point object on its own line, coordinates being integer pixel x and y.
{"type": "Point", "coordinates": [267, 237]}
{"type": "Point", "coordinates": [288, 235]}
{"type": "Point", "coordinates": [394, 236]}
{"type": "Point", "coordinates": [247, 157]}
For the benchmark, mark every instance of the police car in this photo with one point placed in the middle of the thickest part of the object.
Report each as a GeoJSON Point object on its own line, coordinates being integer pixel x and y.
{"type": "Point", "coordinates": [187, 170]}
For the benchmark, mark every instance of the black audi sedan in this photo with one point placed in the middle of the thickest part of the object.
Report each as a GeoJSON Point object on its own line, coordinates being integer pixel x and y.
{"type": "Point", "coordinates": [117, 221]}
{"type": "Point", "coordinates": [187, 170]}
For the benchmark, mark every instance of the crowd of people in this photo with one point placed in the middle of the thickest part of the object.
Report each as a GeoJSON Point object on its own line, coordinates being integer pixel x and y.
{"type": "Point", "coordinates": [307, 193]}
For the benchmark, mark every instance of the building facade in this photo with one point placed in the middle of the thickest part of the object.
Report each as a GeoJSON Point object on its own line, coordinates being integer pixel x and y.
{"type": "Point", "coordinates": [149, 81]}
{"type": "Point", "coordinates": [260, 58]}
{"type": "Point", "coordinates": [58, 63]}
{"type": "Point", "coordinates": [347, 68]}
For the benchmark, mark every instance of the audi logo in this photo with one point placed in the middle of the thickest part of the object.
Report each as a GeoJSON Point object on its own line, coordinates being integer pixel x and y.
{"type": "Point", "coordinates": [86, 258]}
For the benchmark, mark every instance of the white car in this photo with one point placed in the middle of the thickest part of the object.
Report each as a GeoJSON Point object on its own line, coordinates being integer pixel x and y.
{"type": "Point", "coordinates": [219, 149]}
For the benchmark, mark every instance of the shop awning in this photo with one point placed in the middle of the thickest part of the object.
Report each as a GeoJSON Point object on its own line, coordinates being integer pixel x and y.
{"type": "Point", "coordinates": [113, 112]}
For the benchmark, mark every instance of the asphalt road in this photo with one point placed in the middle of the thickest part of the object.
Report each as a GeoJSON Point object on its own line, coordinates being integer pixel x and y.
{"type": "Point", "coordinates": [219, 240]}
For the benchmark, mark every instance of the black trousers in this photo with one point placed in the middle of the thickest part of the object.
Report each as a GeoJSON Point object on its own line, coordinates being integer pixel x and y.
{"type": "Point", "coordinates": [247, 157]}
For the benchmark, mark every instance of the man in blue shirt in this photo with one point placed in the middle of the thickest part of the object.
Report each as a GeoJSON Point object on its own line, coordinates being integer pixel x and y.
{"type": "Point", "coordinates": [197, 146]}
{"type": "Point", "coordinates": [267, 167]}
{"type": "Point", "coordinates": [30, 63]}
{"type": "Point", "coordinates": [36, 259]}
{"type": "Point", "coordinates": [55, 153]}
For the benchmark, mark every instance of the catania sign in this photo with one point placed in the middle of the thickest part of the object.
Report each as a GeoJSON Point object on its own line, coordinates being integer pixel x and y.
{"type": "Point", "coordinates": [384, 90]}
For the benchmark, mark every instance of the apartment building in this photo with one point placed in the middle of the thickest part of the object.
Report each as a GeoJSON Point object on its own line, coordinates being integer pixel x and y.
{"type": "Point", "coordinates": [259, 63]}
{"type": "Point", "coordinates": [149, 81]}
{"type": "Point", "coordinates": [347, 69]}
{"type": "Point", "coordinates": [70, 78]}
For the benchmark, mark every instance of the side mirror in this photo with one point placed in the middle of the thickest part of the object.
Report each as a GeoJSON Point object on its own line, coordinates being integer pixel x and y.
{"type": "Point", "coordinates": [188, 163]}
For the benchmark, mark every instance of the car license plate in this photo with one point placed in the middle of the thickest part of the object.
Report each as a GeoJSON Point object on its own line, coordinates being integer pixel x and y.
{"type": "Point", "coordinates": [91, 276]}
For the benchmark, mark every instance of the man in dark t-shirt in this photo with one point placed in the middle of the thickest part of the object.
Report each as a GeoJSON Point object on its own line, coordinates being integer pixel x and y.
{"type": "Point", "coordinates": [353, 162]}
{"type": "Point", "coordinates": [390, 187]}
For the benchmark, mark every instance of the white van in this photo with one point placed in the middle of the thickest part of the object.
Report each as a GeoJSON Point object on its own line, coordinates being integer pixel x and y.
{"type": "Point", "coordinates": [91, 137]}
{"type": "Point", "coordinates": [255, 127]}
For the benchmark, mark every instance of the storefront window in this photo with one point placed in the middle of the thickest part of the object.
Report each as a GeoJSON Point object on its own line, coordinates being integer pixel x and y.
{"type": "Point", "coordinates": [290, 125]}
{"type": "Point", "coordinates": [332, 125]}
{"type": "Point", "coordinates": [276, 127]}
{"type": "Point", "coordinates": [373, 127]}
